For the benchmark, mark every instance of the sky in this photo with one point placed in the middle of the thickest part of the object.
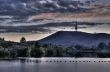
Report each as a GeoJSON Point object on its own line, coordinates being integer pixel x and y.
{"type": "Point", "coordinates": [106, 1]}
{"type": "Point", "coordinates": [45, 17]}
{"type": "Point", "coordinates": [19, 12]}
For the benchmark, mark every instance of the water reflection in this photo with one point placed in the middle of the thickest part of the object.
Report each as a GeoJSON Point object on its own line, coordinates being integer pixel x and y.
{"type": "Point", "coordinates": [56, 65]}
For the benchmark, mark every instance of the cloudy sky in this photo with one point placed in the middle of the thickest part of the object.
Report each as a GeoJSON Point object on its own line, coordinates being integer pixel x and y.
{"type": "Point", "coordinates": [28, 10]}
{"type": "Point", "coordinates": [48, 16]}
{"type": "Point", "coordinates": [38, 12]}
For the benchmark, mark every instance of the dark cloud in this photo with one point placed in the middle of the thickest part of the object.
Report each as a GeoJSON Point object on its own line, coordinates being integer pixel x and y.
{"type": "Point", "coordinates": [30, 7]}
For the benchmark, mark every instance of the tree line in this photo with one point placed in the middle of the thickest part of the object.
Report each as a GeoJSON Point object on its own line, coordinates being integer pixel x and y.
{"type": "Point", "coordinates": [24, 48]}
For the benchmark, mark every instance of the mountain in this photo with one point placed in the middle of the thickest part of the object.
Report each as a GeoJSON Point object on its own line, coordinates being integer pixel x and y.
{"type": "Point", "coordinates": [70, 38]}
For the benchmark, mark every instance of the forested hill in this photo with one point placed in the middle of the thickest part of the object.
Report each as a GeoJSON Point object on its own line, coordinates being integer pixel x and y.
{"type": "Point", "coordinates": [69, 38]}
{"type": "Point", "coordinates": [60, 44]}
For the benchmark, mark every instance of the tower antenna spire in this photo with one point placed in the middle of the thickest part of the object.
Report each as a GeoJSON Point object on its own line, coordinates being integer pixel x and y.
{"type": "Point", "coordinates": [76, 26]}
{"type": "Point", "coordinates": [76, 23]}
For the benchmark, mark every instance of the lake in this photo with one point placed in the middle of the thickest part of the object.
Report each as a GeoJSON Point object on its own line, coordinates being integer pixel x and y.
{"type": "Point", "coordinates": [56, 65]}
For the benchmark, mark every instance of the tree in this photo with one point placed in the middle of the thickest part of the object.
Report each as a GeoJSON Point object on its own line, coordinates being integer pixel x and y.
{"type": "Point", "coordinates": [4, 53]}
{"type": "Point", "coordinates": [78, 47]}
{"type": "Point", "coordinates": [13, 54]}
{"type": "Point", "coordinates": [37, 44]}
{"type": "Point", "coordinates": [59, 52]}
{"type": "Point", "coordinates": [71, 51]}
{"type": "Point", "coordinates": [28, 52]}
{"type": "Point", "coordinates": [102, 45]}
{"type": "Point", "coordinates": [50, 53]}
{"type": "Point", "coordinates": [22, 52]}
{"type": "Point", "coordinates": [37, 52]}
{"type": "Point", "coordinates": [23, 40]}
{"type": "Point", "coordinates": [109, 45]}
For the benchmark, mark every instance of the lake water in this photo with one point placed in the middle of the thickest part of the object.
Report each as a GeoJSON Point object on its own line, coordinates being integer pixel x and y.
{"type": "Point", "coordinates": [56, 65]}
